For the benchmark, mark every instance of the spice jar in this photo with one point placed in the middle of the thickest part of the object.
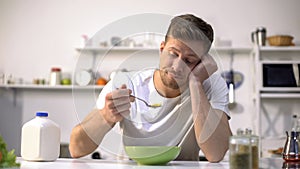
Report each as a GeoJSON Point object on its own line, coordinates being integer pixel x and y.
{"type": "Point", "coordinates": [240, 151]}
{"type": "Point", "coordinates": [254, 148]}
{"type": "Point", "coordinates": [55, 76]}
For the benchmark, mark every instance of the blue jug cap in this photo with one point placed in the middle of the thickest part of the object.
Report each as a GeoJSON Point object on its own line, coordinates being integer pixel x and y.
{"type": "Point", "coordinates": [42, 114]}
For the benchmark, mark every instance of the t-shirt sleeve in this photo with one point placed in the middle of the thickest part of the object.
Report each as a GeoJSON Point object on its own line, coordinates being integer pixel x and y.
{"type": "Point", "coordinates": [217, 93]}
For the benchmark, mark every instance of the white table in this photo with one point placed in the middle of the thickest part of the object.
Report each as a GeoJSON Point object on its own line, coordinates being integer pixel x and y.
{"type": "Point", "coordinates": [64, 163]}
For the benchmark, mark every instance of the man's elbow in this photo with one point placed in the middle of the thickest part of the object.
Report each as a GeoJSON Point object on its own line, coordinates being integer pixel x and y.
{"type": "Point", "coordinates": [216, 154]}
{"type": "Point", "coordinates": [215, 158]}
{"type": "Point", "coordinates": [77, 147]}
{"type": "Point", "coordinates": [74, 153]}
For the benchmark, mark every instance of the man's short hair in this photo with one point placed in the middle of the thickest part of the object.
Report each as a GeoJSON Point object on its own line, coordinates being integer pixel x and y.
{"type": "Point", "coordinates": [190, 27]}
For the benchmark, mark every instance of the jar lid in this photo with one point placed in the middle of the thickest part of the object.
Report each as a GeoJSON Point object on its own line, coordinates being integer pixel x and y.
{"type": "Point", "coordinates": [42, 114]}
{"type": "Point", "coordinates": [55, 69]}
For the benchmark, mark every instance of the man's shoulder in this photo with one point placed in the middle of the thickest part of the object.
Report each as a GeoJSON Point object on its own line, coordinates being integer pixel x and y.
{"type": "Point", "coordinates": [214, 79]}
{"type": "Point", "coordinates": [143, 75]}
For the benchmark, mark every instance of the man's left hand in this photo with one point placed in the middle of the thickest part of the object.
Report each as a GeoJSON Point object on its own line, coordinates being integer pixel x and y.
{"type": "Point", "coordinates": [204, 69]}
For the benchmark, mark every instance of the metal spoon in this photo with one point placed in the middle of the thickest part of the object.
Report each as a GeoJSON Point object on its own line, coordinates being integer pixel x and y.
{"type": "Point", "coordinates": [146, 103]}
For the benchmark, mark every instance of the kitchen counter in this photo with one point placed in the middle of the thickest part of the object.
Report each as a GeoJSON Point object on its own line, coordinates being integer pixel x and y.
{"type": "Point", "coordinates": [64, 163]}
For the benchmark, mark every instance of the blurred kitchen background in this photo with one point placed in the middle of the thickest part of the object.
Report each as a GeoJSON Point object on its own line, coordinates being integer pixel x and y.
{"type": "Point", "coordinates": [36, 36]}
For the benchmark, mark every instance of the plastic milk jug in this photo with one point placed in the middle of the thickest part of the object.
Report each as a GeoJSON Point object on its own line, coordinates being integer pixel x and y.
{"type": "Point", "coordinates": [40, 139]}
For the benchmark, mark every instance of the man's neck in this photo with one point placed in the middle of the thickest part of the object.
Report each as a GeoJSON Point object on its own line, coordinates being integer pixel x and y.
{"type": "Point", "coordinates": [162, 89]}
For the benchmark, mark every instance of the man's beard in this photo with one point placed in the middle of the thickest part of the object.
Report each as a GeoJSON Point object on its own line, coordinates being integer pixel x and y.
{"type": "Point", "coordinates": [168, 82]}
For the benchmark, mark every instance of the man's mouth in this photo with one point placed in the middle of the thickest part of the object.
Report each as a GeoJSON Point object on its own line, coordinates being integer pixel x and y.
{"type": "Point", "coordinates": [172, 74]}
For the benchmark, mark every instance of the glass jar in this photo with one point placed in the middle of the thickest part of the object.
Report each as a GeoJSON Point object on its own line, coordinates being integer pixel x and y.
{"type": "Point", "coordinates": [254, 148]}
{"type": "Point", "coordinates": [55, 76]}
{"type": "Point", "coordinates": [240, 151]}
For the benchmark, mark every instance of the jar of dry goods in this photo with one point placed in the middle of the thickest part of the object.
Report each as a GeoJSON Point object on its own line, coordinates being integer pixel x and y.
{"type": "Point", "coordinates": [254, 148]}
{"type": "Point", "coordinates": [240, 151]}
{"type": "Point", "coordinates": [55, 76]}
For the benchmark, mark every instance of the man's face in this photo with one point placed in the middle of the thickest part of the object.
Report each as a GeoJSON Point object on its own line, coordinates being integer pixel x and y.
{"type": "Point", "coordinates": [177, 60]}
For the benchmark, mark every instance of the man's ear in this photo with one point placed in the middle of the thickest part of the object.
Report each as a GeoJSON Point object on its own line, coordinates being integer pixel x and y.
{"type": "Point", "coordinates": [162, 46]}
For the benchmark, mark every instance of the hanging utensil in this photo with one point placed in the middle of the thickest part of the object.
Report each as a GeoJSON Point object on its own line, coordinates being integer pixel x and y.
{"type": "Point", "coordinates": [231, 84]}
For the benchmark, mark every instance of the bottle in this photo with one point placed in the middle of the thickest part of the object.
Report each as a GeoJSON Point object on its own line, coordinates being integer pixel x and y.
{"type": "Point", "coordinates": [298, 126]}
{"type": "Point", "coordinates": [254, 148]}
{"type": "Point", "coordinates": [295, 123]}
{"type": "Point", "coordinates": [55, 76]}
{"type": "Point", "coordinates": [240, 151]}
{"type": "Point", "coordinates": [40, 140]}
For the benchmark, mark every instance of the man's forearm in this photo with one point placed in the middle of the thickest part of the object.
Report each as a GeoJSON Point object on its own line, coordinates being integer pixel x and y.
{"type": "Point", "coordinates": [86, 136]}
{"type": "Point", "coordinates": [214, 137]}
{"type": "Point", "coordinates": [211, 126]}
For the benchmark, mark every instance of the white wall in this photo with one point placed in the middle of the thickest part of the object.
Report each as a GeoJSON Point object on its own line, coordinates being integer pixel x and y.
{"type": "Point", "coordinates": [39, 34]}
{"type": "Point", "coordinates": [35, 35]}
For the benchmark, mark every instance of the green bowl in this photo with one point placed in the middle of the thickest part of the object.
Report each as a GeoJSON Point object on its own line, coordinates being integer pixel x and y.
{"type": "Point", "coordinates": [152, 155]}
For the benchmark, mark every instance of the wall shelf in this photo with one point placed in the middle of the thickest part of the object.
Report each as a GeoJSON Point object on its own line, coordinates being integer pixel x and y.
{"type": "Point", "coordinates": [280, 89]}
{"type": "Point", "coordinates": [280, 95]}
{"type": "Point", "coordinates": [48, 87]}
{"type": "Point", "coordinates": [117, 49]}
{"type": "Point", "coordinates": [236, 49]}
{"type": "Point", "coordinates": [279, 48]}
{"type": "Point", "coordinates": [281, 62]}
{"type": "Point", "coordinates": [244, 49]}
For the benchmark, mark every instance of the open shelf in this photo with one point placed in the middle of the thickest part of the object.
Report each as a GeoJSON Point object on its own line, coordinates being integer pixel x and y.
{"type": "Point", "coordinates": [118, 49]}
{"type": "Point", "coordinates": [274, 105]}
{"type": "Point", "coordinates": [131, 49]}
{"type": "Point", "coordinates": [279, 48]}
{"type": "Point", "coordinates": [48, 87]}
{"type": "Point", "coordinates": [280, 89]}
{"type": "Point", "coordinates": [280, 95]}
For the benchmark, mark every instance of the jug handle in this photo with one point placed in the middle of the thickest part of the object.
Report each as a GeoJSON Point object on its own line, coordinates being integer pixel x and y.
{"type": "Point", "coordinates": [252, 36]}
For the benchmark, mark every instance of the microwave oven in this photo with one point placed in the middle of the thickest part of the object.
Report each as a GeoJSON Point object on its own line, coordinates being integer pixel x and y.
{"type": "Point", "coordinates": [281, 75]}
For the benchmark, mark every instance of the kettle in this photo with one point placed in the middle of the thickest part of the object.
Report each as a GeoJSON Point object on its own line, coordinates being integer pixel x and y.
{"type": "Point", "coordinates": [259, 36]}
{"type": "Point", "coordinates": [291, 150]}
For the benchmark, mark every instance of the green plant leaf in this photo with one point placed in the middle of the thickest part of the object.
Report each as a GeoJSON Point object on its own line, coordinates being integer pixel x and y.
{"type": "Point", "coordinates": [8, 157]}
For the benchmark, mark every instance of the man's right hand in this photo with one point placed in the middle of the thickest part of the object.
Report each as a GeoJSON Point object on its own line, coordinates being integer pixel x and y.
{"type": "Point", "coordinates": [117, 105]}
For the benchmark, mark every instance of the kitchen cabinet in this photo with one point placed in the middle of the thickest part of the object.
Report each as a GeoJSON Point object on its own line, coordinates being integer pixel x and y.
{"type": "Point", "coordinates": [274, 106]}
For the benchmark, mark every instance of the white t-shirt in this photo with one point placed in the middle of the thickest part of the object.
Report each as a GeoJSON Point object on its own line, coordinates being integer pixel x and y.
{"type": "Point", "coordinates": [167, 125]}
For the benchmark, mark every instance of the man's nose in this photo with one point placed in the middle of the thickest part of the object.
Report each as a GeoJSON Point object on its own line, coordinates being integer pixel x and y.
{"type": "Point", "coordinates": [178, 65]}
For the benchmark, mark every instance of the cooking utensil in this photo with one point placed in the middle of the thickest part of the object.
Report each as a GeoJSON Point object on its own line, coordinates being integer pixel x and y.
{"type": "Point", "coordinates": [231, 84]}
{"type": "Point", "coordinates": [146, 103]}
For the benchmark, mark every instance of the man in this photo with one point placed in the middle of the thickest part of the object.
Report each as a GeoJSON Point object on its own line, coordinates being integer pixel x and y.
{"type": "Point", "coordinates": [193, 98]}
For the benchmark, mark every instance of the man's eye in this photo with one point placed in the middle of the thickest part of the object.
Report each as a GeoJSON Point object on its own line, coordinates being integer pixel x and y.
{"type": "Point", "coordinates": [188, 61]}
{"type": "Point", "coordinates": [173, 54]}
